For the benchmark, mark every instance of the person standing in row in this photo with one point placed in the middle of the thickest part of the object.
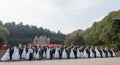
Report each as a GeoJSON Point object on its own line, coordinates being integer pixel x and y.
{"type": "Point", "coordinates": [11, 50]}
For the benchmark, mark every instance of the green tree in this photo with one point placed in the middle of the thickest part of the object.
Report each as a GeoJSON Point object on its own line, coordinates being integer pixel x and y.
{"type": "Point", "coordinates": [74, 38]}
{"type": "Point", "coordinates": [24, 34]}
{"type": "Point", "coordinates": [4, 33]}
{"type": "Point", "coordinates": [105, 32]}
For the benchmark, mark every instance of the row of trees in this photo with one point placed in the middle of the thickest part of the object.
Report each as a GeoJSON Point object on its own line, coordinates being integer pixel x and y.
{"type": "Point", "coordinates": [105, 32]}
{"type": "Point", "coordinates": [25, 34]}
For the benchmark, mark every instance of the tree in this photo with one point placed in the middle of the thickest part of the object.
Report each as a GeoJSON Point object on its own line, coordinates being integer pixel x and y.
{"type": "Point", "coordinates": [4, 33]}
{"type": "Point", "coordinates": [1, 24]}
{"type": "Point", "coordinates": [105, 32]}
{"type": "Point", "coordinates": [25, 34]}
{"type": "Point", "coordinates": [78, 40]}
{"type": "Point", "coordinates": [74, 38]}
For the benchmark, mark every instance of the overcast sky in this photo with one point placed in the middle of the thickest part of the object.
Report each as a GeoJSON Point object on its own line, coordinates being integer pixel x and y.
{"type": "Point", "coordinates": [63, 15]}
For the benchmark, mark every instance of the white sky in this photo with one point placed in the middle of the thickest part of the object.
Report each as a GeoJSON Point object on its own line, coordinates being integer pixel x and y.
{"type": "Point", "coordinates": [63, 15]}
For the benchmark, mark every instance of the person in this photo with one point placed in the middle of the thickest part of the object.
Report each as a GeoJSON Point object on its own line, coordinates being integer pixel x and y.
{"type": "Point", "coordinates": [34, 51]}
{"type": "Point", "coordinates": [101, 54]}
{"type": "Point", "coordinates": [94, 52]}
{"type": "Point", "coordinates": [91, 53]}
{"type": "Point", "coordinates": [97, 52]}
{"type": "Point", "coordinates": [85, 55]}
{"type": "Point", "coordinates": [75, 52]}
{"type": "Point", "coordinates": [60, 51]}
{"type": "Point", "coordinates": [108, 52]}
{"type": "Point", "coordinates": [68, 49]}
{"type": "Point", "coordinates": [113, 52]}
{"type": "Point", "coordinates": [72, 55]}
{"type": "Point", "coordinates": [81, 51]}
{"type": "Point", "coordinates": [16, 55]}
{"type": "Point", "coordinates": [48, 53]}
{"type": "Point", "coordinates": [64, 54]}
{"type": "Point", "coordinates": [105, 52]}
{"type": "Point", "coordinates": [88, 51]}
{"type": "Point", "coordinates": [51, 52]}
{"type": "Point", "coordinates": [27, 54]}
{"type": "Point", "coordinates": [56, 53]}
{"type": "Point", "coordinates": [41, 53]}
{"type": "Point", "coordinates": [37, 53]}
{"type": "Point", "coordinates": [20, 50]}
{"type": "Point", "coordinates": [6, 56]}
{"type": "Point", "coordinates": [31, 53]}
{"type": "Point", "coordinates": [44, 52]}
{"type": "Point", "coordinates": [11, 50]}
{"type": "Point", "coordinates": [24, 52]}
{"type": "Point", "coordinates": [64, 51]}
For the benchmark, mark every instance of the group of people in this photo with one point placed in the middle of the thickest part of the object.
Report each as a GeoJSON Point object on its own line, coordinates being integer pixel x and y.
{"type": "Point", "coordinates": [30, 52]}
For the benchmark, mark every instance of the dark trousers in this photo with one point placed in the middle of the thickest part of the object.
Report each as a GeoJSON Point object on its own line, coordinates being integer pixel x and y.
{"type": "Point", "coordinates": [68, 56]}
{"type": "Point", "coordinates": [51, 55]}
{"type": "Point", "coordinates": [75, 54]}
{"type": "Point", "coordinates": [10, 56]}
{"type": "Point", "coordinates": [60, 55]}
{"type": "Point", "coordinates": [88, 52]}
{"type": "Point", "coordinates": [20, 56]}
{"type": "Point", "coordinates": [31, 56]}
{"type": "Point", "coordinates": [40, 56]}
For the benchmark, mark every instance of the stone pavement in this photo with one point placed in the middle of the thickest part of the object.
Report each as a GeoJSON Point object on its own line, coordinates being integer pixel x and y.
{"type": "Point", "coordinates": [91, 61]}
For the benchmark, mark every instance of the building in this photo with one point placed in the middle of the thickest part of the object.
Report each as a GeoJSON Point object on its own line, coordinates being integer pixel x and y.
{"type": "Point", "coordinates": [41, 40]}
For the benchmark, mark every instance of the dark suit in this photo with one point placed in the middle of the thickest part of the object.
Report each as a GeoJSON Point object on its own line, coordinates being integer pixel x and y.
{"type": "Point", "coordinates": [75, 52]}
{"type": "Point", "coordinates": [11, 52]}
{"type": "Point", "coordinates": [68, 53]}
{"type": "Point", "coordinates": [88, 52]}
{"type": "Point", "coordinates": [93, 50]}
{"type": "Point", "coordinates": [41, 53]}
{"type": "Point", "coordinates": [20, 52]}
{"type": "Point", "coordinates": [106, 53]}
{"type": "Point", "coordinates": [51, 53]}
{"type": "Point", "coordinates": [100, 53]}
{"type": "Point", "coordinates": [60, 52]}
{"type": "Point", "coordinates": [111, 54]}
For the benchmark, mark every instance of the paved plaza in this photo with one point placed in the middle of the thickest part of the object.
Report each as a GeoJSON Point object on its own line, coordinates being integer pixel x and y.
{"type": "Point", "coordinates": [92, 61]}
